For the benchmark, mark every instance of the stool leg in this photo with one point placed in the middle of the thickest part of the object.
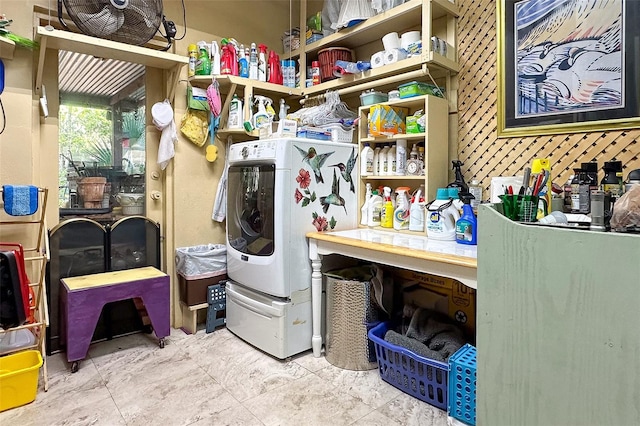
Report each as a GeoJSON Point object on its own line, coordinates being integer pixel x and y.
{"type": "Point", "coordinates": [157, 303]}
{"type": "Point", "coordinates": [81, 320]}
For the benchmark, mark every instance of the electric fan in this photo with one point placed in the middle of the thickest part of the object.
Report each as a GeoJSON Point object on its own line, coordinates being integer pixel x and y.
{"type": "Point", "coordinates": [125, 21]}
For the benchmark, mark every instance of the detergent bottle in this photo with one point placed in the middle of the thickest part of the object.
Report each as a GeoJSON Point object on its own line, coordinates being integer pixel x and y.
{"type": "Point", "coordinates": [375, 209]}
{"type": "Point", "coordinates": [225, 60]}
{"type": "Point", "coordinates": [253, 62]}
{"type": "Point", "coordinates": [215, 58]}
{"type": "Point", "coordinates": [236, 113]}
{"type": "Point", "coordinates": [262, 63]}
{"type": "Point", "coordinates": [442, 217]}
{"type": "Point", "coordinates": [416, 212]}
{"type": "Point", "coordinates": [364, 210]}
{"type": "Point", "coordinates": [386, 217]}
{"type": "Point", "coordinates": [467, 225]}
{"type": "Point", "coordinates": [401, 212]}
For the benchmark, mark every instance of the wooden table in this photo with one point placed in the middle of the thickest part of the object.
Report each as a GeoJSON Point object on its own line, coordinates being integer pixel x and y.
{"type": "Point", "coordinates": [402, 250]}
{"type": "Point", "coordinates": [83, 298]}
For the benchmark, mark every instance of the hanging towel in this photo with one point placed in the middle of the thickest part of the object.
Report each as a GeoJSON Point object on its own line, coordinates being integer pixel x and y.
{"type": "Point", "coordinates": [162, 114]}
{"type": "Point", "coordinates": [20, 200]}
{"type": "Point", "coordinates": [220, 204]}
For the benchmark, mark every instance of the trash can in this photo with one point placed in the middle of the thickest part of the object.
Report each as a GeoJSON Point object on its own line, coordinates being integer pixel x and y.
{"type": "Point", "coordinates": [350, 313]}
{"type": "Point", "coordinates": [199, 267]}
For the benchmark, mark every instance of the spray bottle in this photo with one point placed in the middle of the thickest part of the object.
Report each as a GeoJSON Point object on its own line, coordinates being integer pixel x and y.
{"type": "Point", "coordinates": [401, 212]}
{"type": "Point", "coordinates": [386, 218]}
{"type": "Point", "coordinates": [459, 181]}
{"type": "Point", "coordinates": [243, 62]}
{"type": "Point", "coordinates": [364, 210]}
{"type": "Point", "coordinates": [467, 225]}
{"type": "Point", "coordinates": [262, 118]}
{"type": "Point", "coordinates": [215, 58]}
{"type": "Point", "coordinates": [282, 112]}
{"type": "Point", "coordinates": [416, 212]}
{"type": "Point", "coordinates": [262, 63]}
{"type": "Point", "coordinates": [375, 209]}
{"type": "Point", "coordinates": [253, 62]}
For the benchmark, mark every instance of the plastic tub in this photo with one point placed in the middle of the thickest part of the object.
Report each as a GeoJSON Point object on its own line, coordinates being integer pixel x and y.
{"type": "Point", "coordinates": [417, 88]}
{"type": "Point", "coordinates": [462, 384]}
{"type": "Point", "coordinates": [19, 378]}
{"type": "Point", "coordinates": [370, 98]}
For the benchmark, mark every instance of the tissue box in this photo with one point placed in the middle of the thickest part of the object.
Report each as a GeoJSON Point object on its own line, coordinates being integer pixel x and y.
{"type": "Point", "coordinates": [385, 120]}
{"type": "Point", "coordinates": [415, 124]}
{"type": "Point", "coordinates": [416, 88]}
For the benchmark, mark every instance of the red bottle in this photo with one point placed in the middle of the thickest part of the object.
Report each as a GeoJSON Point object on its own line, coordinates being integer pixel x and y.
{"type": "Point", "coordinates": [225, 60]}
{"type": "Point", "coordinates": [275, 73]}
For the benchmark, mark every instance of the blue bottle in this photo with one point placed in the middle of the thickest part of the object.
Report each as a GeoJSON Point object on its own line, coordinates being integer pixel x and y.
{"type": "Point", "coordinates": [467, 225]}
{"type": "Point", "coordinates": [243, 63]}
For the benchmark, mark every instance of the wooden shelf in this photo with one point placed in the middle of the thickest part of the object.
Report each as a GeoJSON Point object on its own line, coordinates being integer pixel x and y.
{"type": "Point", "coordinates": [7, 47]}
{"type": "Point", "coordinates": [393, 177]}
{"type": "Point", "coordinates": [261, 87]}
{"type": "Point", "coordinates": [386, 139]}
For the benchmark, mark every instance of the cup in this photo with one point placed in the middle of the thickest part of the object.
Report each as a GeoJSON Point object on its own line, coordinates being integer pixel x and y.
{"type": "Point", "coordinates": [510, 206]}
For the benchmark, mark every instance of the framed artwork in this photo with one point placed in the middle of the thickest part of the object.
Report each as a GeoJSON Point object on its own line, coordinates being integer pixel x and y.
{"type": "Point", "coordinates": [567, 66]}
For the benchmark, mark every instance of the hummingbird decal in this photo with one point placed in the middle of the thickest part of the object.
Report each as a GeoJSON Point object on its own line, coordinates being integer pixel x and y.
{"type": "Point", "coordinates": [345, 171]}
{"type": "Point", "coordinates": [333, 198]}
{"type": "Point", "coordinates": [315, 160]}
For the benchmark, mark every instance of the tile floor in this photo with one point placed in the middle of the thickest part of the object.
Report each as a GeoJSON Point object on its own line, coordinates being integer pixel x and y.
{"type": "Point", "coordinates": [213, 379]}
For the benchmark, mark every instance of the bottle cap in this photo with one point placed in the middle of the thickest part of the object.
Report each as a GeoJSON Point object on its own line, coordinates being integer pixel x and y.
{"type": "Point", "coordinates": [315, 64]}
{"type": "Point", "coordinates": [453, 193]}
{"type": "Point", "coordinates": [442, 194]}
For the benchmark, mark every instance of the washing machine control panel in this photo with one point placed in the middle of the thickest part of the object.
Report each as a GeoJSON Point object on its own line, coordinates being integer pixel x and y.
{"type": "Point", "coordinates": [256, 150]}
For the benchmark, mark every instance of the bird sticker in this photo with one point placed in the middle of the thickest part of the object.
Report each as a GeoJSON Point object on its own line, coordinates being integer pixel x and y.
{"type": "Point", "coordinates": [333, 198]}
{"type": "Point", "coordinates": [345, 171]}
{"type": "Point", "coordinates": [314, 160]}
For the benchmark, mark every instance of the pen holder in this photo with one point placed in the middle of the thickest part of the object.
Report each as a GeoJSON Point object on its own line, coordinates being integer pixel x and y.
{"type": "Point", "coordinates": [520, 208]}
{"type": "Point", "coordinates": [510, 206]}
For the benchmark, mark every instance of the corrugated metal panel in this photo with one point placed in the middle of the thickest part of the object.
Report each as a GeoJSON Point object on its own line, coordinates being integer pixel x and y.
{"type": "Point", "coordinates": [86, 75]}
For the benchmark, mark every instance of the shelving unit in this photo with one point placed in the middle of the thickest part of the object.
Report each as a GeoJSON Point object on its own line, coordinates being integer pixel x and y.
{"type": "Point", "coordinates": [434, 140]}
{"type": "Point", "coordinates": [36, 256]}
{"type": "Point", "coordinates": [7, 47]}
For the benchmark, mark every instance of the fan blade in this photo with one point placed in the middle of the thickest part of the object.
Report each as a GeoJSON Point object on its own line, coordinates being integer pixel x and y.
{"type": "Point", "coordinates": [104, 23]}
{"type": "Point", "coordinates": [143, 10]}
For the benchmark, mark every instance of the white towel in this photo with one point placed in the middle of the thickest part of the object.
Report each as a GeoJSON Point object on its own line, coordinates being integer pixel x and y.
{"type": "Point", "coordinates": [162, 114]}
{"type": "Point", "coordinates": [220, 204]}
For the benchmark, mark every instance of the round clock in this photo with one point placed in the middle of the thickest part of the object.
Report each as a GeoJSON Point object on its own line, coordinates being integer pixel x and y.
{"type": "Point", "coordinates": [413, 166]}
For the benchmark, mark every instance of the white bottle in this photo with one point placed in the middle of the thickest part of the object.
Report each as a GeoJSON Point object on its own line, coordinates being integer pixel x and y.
{"type": "Point", "coordinates": [401, 157]}
{"type": "Point", "coordinates": [215, 58]}
{"type": "Point", "coordinates": [366, 161]}
{"type": "Point", "coordinates": [476, 190]}
{"type": "Point", "coordinates": [382, 161]}
{"type": "Point", "coordinates": [253, 62]}
{"type": "Point", "coordinates": [236, 113]}
{"type": "Point", "coordinates": [441, 217]}
{"type": "Point", "coordinates": [401, 211]}
{"type": "Point", "coordinates": [416, 213]}
{"type": "Point", "coordinates": [364, 210]}
{"type": "Point", "coordinates": [391, 160]}
{"type": "Point", "coordinates": [376, 161]}
{"type": "Point", "coordinates": [375, 209]}
{"type": "Point", "coordinates": [262, 66]}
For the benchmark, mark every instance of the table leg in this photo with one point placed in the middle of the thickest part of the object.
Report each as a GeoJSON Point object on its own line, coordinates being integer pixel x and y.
{"type": "Point", "coordinates": [316, 298]}
{"type": "Point", "coordinates": [81, 317]}
{"type": "Point", "coordinates": [156, 301]}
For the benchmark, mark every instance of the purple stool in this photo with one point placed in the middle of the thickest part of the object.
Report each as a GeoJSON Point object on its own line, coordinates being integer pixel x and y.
{"type": "Point", "coordinates": [83, 298]}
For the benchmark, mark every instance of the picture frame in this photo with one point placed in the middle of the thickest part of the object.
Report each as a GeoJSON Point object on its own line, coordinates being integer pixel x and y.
{"type": "Point", "coordinates": [567, 69]}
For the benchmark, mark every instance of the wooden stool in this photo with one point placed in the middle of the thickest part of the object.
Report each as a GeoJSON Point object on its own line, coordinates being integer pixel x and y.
{"type": "Point", "coordinates": [83, 298]}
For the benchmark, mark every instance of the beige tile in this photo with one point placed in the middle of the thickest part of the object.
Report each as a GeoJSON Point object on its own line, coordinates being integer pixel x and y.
{"type": "Point", "coordinates": [307, 401]}
{"type": "Point", "coordinates": [311, 363]}
{"type": "Point", "coordinates": [57, 364]}
{"type": "Point", "coordinates": [376, 418]}
{"type": "Point", "coordinates": [410, 411]}
{"type": "Point", "coordinates": [364, 385]}
{"type": "Point", "coordinates": [234, 416]}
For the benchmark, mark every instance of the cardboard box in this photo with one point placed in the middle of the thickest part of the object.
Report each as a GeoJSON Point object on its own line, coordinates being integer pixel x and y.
{"type": "Point", "coordinates": [445, 295]}
{"type": "Point", "coordinates": [385, 120]}
{"type": "Point", "coordinates": [194, 292]}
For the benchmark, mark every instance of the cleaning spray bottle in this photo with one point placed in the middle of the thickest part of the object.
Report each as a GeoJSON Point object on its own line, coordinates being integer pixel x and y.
{"type": "Point", "coordinates": [253, 62]}
{"type": "Point", "coordinates": [442, 217]}
{"type": "Point", "coordinates": [416, 212]}
{"type": "Point", "coordinates": [262, 63]}
{"type": "Point", "coordinates": [459, 180]}
{"type": "Point", "coordinates": [215, 58]}
{"type": "Point", "coordinates": [386, 218]}
{"type": "Point", "coordinates": [261, 118]}
{"type": "Point", "coordinates": [243, 62]}
{"type": "Point", "coordinates": [375, 209]}
{"type": "Point", "coordinates": [401, 212]}
{"type": "Point", "coordinates": [364, 210]}
{"type": "Point", "coordinates": [467, 225]}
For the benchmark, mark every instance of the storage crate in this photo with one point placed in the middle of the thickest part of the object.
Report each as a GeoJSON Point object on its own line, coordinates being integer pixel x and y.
{"type": "Point", "coordinates": [19, 378]}
{"type": "Point", "coordinates": [421, 377]}
{"type": "Point", "coordinates": [217, 300]}
{"type": "Point", "coordinates": [194, 292]}
{"type": "Point", "coordinates": [339, 133]}
{"type": "Point", "coordinates": [462, 384]}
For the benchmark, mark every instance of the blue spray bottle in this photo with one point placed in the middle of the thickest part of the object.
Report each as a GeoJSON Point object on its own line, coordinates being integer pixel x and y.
{"type": "Point", "coordinates": [467, 225]}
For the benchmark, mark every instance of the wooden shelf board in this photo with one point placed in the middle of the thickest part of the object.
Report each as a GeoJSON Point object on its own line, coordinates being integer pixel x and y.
{"type": "Point", "coordinates": [407, 177]}
{"type": "Point", "coordinates": [225, 82]}
{"type": "Point", "coordinates": [81, 43]}
{"type": "Point", "coordinates": [7, 47]}
{"type": "Point", "coordinates": [385, 139]}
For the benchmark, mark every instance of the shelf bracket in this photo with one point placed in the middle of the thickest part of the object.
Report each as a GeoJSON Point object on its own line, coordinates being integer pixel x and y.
{"type": "Point", "coordinates": [41, 55]}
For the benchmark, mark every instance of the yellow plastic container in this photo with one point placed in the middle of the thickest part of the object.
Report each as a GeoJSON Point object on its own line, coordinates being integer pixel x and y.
{"type": "Point", "coordinates": [19, 378]}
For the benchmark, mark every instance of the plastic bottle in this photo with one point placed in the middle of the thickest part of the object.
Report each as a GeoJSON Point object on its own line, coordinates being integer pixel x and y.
{"type": "Point", "coordinates": [575, 191]}
{"type": "Point", "coordinates": [421, 159]}
{"type": "Point", "coordinates": [386, 217]}
{"type": "Point", "coordinates": [382, 161]}
{"type": "Point", "coordinates": [401, 157]}
{"type": "Point", "coordinates": [253, 62]}
{"type": "Point", "coordinates": [366, 161]}
{"type": "Point", "coordinates": [215, 58]}
{"type": "Point", "coordinates": [364, 210]}
{"type": "Point", "coordinates": [282, 113]}
{"type": "Point", "coordinates": [467, 225]}
{"type": "Point", "coordinates": [315, 72]}
{"type": "Point", "coordinates": [375, 209]}
{"type": "Point", "coordinates": [538, 165]}
{"type": "Point", "coordinates": [567, 194]}
{"type": "Point", "coordinates": [262, 63]}
{"type": "Point", "coordinates": [401, 212]}
{"type": "Point", "coordinates": [203, 65]}
{"type": "Point", "coordinates": [476, 190]}
{"type": "Point", "coordinates": [391, 160]}
{"type": "Point", "coordinates": [376, 161]}
{"type": "Point", "coordinates": [441, 217]}
{"type": "Point", "coordinates": [193, 59]}
{"type": "Point", "coordinates": [243, 63]}
{"type": "Point", "coordinates": [261, 118]}
{"type": "Point", "coordinates": [236, 113]}
{"type": "Point", "coordinates": [416, 213]}
{"type": "Point", "coordinates": [454, 194]}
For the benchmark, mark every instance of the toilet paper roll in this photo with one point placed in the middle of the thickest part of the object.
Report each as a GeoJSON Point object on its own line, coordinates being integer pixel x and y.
{"type": "Point", "coordinates": [393, 56]}
{"type": "Point", "coordinates": [377, 60]}
{"type": "Point", "coordinates": [409, 37]}
{"type": "Point", "coordinates": [391, 41]}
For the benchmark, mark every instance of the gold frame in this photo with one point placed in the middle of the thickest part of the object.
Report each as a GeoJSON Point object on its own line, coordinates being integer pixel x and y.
{"type": "Point", "coordinates": [554, 129]}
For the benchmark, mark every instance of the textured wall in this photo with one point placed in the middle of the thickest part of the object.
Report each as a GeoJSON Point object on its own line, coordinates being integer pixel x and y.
{"type": "Point", "coordinates": [483, 154]}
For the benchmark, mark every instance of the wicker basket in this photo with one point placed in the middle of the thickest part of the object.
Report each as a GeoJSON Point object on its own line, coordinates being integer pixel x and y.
{"type": "Point", "coordinates": [328, 57]}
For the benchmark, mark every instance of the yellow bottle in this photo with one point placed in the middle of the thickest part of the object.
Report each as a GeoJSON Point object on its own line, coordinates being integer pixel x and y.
{"type": "Point", "coordinates": [538, 165]}
{"type": "Point", "coordinates": [386, 218]}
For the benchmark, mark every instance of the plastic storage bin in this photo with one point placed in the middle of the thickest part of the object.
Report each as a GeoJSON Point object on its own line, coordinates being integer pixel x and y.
{"type": "Point", "coordinates": [462, 384]}
{"type": "Point", "coordinates": [423, 378]}
{"type": "Point", "coordinates": [417, 88]}
{"type": "Point", "coordinates": [199, 267]}
{"type": "Point", "coordinates": [339, 133]}
{"type": "Point", "coordinates": [19, 378]}
{"type": "Point", "coordinates": [371, 97]}
{"type": "Point", "coordinates": [328, 57]}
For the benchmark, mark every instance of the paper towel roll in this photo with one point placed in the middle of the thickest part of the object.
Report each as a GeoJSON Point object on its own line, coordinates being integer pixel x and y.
{"type": "Point", "coordinates": [395, 55]}
{"type": "Point", "coordinates": [409, 37]}
{"type": "Point", "coordinates": [377, 60]}
{"type": "Point", "coordinates": [391, 41]}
